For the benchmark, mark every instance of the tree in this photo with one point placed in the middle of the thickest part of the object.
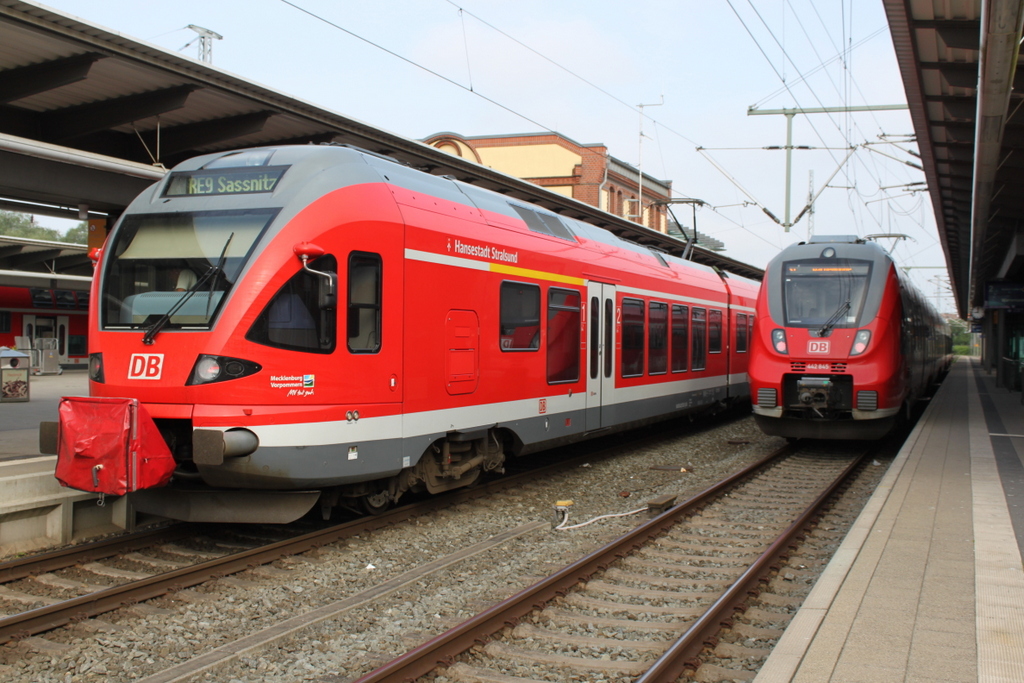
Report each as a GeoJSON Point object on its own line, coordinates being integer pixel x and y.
{"type": "Point", "coordinates": [14, 224]}
{"type": "Point", "coordinates": [78, 234]}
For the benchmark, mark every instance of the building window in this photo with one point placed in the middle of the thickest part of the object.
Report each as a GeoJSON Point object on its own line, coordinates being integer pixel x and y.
{"type": "Point", "coordinates": [698, 336]}
{"type": "Point", "coordinates": [632, 337]}
{"type": "Point", "coordinates": [680, 337]}
{"type": "Point", "coordinates": [520, 317]}
{"type": "Point", "coordinates": [714, 331]}
{"type": "Point", "coordinates": [658, 343]}
{"type": "Point", "coordinates": [563, 335]}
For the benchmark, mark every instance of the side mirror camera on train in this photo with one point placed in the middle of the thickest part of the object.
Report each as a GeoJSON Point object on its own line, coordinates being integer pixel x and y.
{"type": "Point", "coordinates": [328, 296]}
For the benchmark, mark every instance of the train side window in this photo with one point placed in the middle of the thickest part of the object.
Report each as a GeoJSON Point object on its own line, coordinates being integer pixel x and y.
{"type": "Point", "coordinates": [698, 337]}
{"type": "Point", "coordinates": [609, 350]}
{"type": "Point", "coordinates": [632, 337]}
{"type": "Point", "coordinates": [520, 317]}
{"type": "Point", "coordinates": [293, 318]}
{"type": "Point", "coordinates": [714, 331]}
{"type": "Point", "coordinates": [77, 345]}
{"type": "Point", "coordinates": [563, 335]}
{"type": "Point", "coordinates": [741, 333]}
{"type": "Point", "coordinates": [364, 302]}
{"type": "Point", "coordinates": [657, 344]}
{"type": "Point", "coordinates": [595, 336]}
{"type": "Point", "coordinates": [5, 321]}
{"type": "Point", "coordinates": [680, 337]}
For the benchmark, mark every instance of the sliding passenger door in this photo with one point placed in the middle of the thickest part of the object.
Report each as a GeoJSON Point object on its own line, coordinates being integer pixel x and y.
{"type": "Point", "coordinates": [600, 352]}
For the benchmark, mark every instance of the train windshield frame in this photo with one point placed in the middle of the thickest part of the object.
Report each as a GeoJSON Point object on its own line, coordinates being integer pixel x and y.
{"type": "Point", "coordinates": [815, 291]}
{"type": "Point", "coordinates": [183, 263]}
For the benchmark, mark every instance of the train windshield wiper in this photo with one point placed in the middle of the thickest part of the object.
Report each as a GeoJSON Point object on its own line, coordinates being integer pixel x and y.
{"type": "Point", "coordinates": [155, 328]}
{"type": "Point", "coordinates": [206, 277]}
{"type": "Point", "coordinates": [831, 322]}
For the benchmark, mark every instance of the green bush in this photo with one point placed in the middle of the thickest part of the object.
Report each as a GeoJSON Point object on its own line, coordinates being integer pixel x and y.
{"type": "Point", "coordinates": [961, 349]}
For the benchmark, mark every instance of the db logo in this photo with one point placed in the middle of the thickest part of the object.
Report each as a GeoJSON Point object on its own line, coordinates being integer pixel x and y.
{"type": "Point", "coordinates": [817, 346]}
{"type": "Point", "coordinates": [146, 366]}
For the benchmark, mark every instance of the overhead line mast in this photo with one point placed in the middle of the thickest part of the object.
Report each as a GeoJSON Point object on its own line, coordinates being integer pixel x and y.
{"type": "Point", "coordinates": [789, 114]}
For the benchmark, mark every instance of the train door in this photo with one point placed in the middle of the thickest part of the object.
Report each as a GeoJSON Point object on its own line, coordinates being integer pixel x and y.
{"type": "Point", "coordinates": [62, 338]}
{"type": "Point", "coordinates": [43, 327]}
{"type": "Point", "coordinates": [600, 352]}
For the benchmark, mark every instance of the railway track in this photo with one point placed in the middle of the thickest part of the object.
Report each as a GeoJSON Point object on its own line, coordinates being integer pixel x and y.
{"type": "Point", "coordinates": [65, 586]}
{"type": "Point", "coordinates": [644, 607]}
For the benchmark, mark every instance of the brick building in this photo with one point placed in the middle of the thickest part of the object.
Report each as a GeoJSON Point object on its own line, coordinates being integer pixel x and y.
{"type": "Point", "coordinates": [586, 173]}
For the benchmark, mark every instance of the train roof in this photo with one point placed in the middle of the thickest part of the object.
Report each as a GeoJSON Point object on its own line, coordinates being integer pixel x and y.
{"type": "Point", "coordinates": [839, 246]}
{"type": "Point", "coordinates": [312, 170]}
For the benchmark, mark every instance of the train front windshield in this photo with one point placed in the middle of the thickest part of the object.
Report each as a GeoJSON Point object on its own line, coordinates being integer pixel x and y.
{"type": "Point", "coordinates": [182, 263]}
{"type": "Point", "coordinates": [821, 291]}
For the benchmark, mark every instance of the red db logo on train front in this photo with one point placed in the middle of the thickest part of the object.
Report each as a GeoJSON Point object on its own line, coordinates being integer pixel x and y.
{"type": "Point", "coordinates": [146, 366]}
{"type": "Point", "coordinates": [817, 346]}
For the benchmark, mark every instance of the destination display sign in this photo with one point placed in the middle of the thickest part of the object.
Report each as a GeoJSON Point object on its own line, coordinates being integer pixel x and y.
{"type": "Point", "coordinates": [250, 180]}
{"type": "Point", "coordinates": [818, 268]}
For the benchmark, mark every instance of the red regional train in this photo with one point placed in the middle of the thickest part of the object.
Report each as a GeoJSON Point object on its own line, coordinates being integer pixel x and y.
{"type": "Point", "coordinates": [43, 313]}
{"type": "Point", "coordinates": [843, 343]}
{"type": "Point", "coordinates": [321, 323]}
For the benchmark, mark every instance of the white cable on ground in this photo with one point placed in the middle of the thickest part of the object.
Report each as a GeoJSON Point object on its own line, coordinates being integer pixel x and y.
{"type": "Point", "coordinates": [565, 518]}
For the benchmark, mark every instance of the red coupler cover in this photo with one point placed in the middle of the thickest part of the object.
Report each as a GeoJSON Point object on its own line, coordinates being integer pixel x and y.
{"type": "Point", "coordinates": [110, 445]}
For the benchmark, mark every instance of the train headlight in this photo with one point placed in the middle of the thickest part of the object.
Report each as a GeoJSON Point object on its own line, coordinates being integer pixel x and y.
{"type": "Point", "coordinates": [96, 367]}
{"type": "Point", "coordinates": [779, 341]}
{"type": "Point", "coordinates": [210, 369]}
{"type": "Point", "coordinates": [860, 342]}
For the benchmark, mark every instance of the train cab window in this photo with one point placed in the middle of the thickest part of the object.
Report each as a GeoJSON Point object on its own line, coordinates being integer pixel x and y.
{"type": "Point", "coordinates": [698, 336]}
{"type": "Point", "coordinates": [632, 337]}
{"type": "Point", "coordinates": [593, 320]}
{"type": "Point", "coordinates": [563, 335]}
{"type": "Point", "coordinates": [364, 302]}
{"type": "Point", "coordinates": [714, 331]}
{"type": "Point", "coordinates": [741, 333]}
{"type": "Point", "coordinates": [831, 291]}
{"type": "Point", "coordinates": [293, 319]}
{"type": "Point", "coordinates": [151, 253]}
{"type": "Point", "coordinates": [680, 337]}
{"type": "Point", "coordinates": [520, 317]}
{"type": "Point", "coordinates": [657, 346]}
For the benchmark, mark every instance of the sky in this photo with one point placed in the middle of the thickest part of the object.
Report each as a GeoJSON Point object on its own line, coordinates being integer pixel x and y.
{"type": "Point", "coordinates": [582, 67]}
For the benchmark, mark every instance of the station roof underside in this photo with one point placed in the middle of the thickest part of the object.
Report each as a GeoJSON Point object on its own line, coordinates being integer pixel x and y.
{"type": "Point", "coordinates": [959, 67]}
{"type": "Point", "coordinates": [87, 113]}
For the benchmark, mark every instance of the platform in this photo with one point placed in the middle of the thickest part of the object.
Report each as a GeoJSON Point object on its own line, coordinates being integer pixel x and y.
{"type": "Point", "coordinates": [35, 510]}
{"type": "Point", "coordinates": [928, 586]}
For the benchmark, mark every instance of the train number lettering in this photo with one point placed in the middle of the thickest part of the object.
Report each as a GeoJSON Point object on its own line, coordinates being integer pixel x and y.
{"type": "Point", "coordinates": [817, 346]}
{"type": "Point", "coordinates": [146, 366]}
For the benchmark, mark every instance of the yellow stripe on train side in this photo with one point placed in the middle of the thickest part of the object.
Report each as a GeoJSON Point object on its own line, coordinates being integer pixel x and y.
{"type": "Point", "coordinates": [536, 274]}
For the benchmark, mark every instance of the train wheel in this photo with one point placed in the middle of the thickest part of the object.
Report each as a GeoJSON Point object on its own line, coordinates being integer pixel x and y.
{"type": "Point", "coordinates": [376, 503]}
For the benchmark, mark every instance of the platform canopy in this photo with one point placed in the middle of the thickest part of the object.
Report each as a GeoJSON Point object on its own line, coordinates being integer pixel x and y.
{"type": "Point", "coordinates": [959, 63]}
{"type": "Point", "coordinates": [90, 117]}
